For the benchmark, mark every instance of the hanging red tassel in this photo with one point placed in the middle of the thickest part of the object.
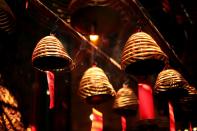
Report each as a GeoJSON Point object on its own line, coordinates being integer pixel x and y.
{"type": "Point", "coordinates": [190, 126]}
{"type": "Point", "coordinates": [146, 104]}
{"type": "Point", "coordinates": [50, 80]}
{"type": "Point", "coordinates": [33, 128]}
{"type": "Point", "coordinates": [171, 115]}
{"type": "Point", "coordinates": [97, 122]}
{"type": "Point", "coordinates": [26, 4]}
{"type": "Point", "coordinates": [166, 6]}
{"type": "Point", "coordinates": [123, 123]}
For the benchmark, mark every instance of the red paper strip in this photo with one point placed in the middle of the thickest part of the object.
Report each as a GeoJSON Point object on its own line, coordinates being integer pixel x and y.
{"type": "Point", "coordinates": [26, 4]}
{"type": "Point", "coordinates": [33, 128]}
{"type": "Point", "coordinates": [123, 123]}
{"type": "Point", "coordinates": [50, 80]}
{"type": "Point", "coordinates": [166, 6]}
{"type": "Point", "coordinates": [146, 104]}
{"type": "Point", "coordinates": [97, 122]}
{"type": "Point", "coordinates": [171, 115]}
{"type": "Point", "coordinates": [190, 126]}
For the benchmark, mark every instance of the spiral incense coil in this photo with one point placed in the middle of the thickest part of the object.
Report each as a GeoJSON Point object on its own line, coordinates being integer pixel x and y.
{"type": "Point", "coordinates": [50, 55]}
{"type": "Point", "coordinates": [192, 90]}
{"type": "Point", "coordinates": [191, 97]}
{"type": "Point", "coordinates": [141, 54]}
{"type": "Point", "coordinates": [169, 81]}
{"type": "Point", "coordinates": [188, 103]}
{"type": "Point", "coordinates": [95, 86]}
{"type": "Point", "coordinates": [10, 117]}
{"type": "Point", "coordinates": [7, 22]}
{"type": "Point", "coordinates": [7, 98]}
{"type": "Point", "coordinates": [125, 101]}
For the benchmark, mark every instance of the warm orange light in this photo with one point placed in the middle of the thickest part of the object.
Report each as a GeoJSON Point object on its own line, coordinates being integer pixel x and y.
{"type": "Point", "coordinates": [28, 129]}
{"type": "Point", "coordinates": [91, 117]}
{"type": "Point", "coordinates": [97, 121]}
{"type": "Point", "coordinates": [195, 129]}
{"type": "Point", "coordinates": [94, 38]}
{"type": "Point", "coordinates": [31, 128]}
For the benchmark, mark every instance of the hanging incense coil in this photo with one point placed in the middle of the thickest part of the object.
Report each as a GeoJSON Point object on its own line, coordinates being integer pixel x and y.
{"type": "Point", "coordinates": [189, 100]}
{"type": "Point", "coordinates": [7, 20]}
{"type": "Point", "coordinates": [10, 117]}
{"type": "Point", "coordinates": [126, 102]}
{"type": "Point", "coordinates": [95, 87]}
{"type": "Point", "coordinates": [186, 105]}
{"type": "Point", "coordinates": [142, 55]}
{"type": "Point", "coordinates": [7, 98]}
{"type": "Point", "coordinates": [50, 55]}
{"type": "Point", "coordinates": [192, 90]}
{"type": "Point", "coordinates": [171, 82]}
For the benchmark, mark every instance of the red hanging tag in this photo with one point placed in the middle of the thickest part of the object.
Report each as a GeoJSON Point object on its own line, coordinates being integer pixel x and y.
{"type": "Point", "coordinates": [146, 104]}
{"type": "Point", "coordinates": [190, 126]}
{"type": "Point", "coordinates": [50, 80]}
{"type": "Point", "coordinates": [33, 128]}
{"type": "Point", "coordinates": [171, 115]}
{"type": "Point", "coordinates": [26, 4]}
{"type": "Point", "coordinates": [123, 123]}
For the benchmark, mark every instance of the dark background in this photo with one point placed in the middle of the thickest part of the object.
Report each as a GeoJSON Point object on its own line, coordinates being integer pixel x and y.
{"type": "Point", "coordinates": [175, 21]}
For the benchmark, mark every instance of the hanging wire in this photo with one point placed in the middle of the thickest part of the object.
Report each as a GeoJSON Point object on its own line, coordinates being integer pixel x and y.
{"type": "Point", "coordinates": [140, 24]}
{"type": "Point", "coordinates": [79, 36]}
{"type": "Point", "coordinates": [186, 13]}
{"type": "Point", "coordinates": [54, 28]}
{"type": "Point", "coordinates": [170, 50]}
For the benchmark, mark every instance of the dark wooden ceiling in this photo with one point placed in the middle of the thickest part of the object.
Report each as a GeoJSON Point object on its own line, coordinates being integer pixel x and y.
{"type": "Point", "coordinates": [174, 29]}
